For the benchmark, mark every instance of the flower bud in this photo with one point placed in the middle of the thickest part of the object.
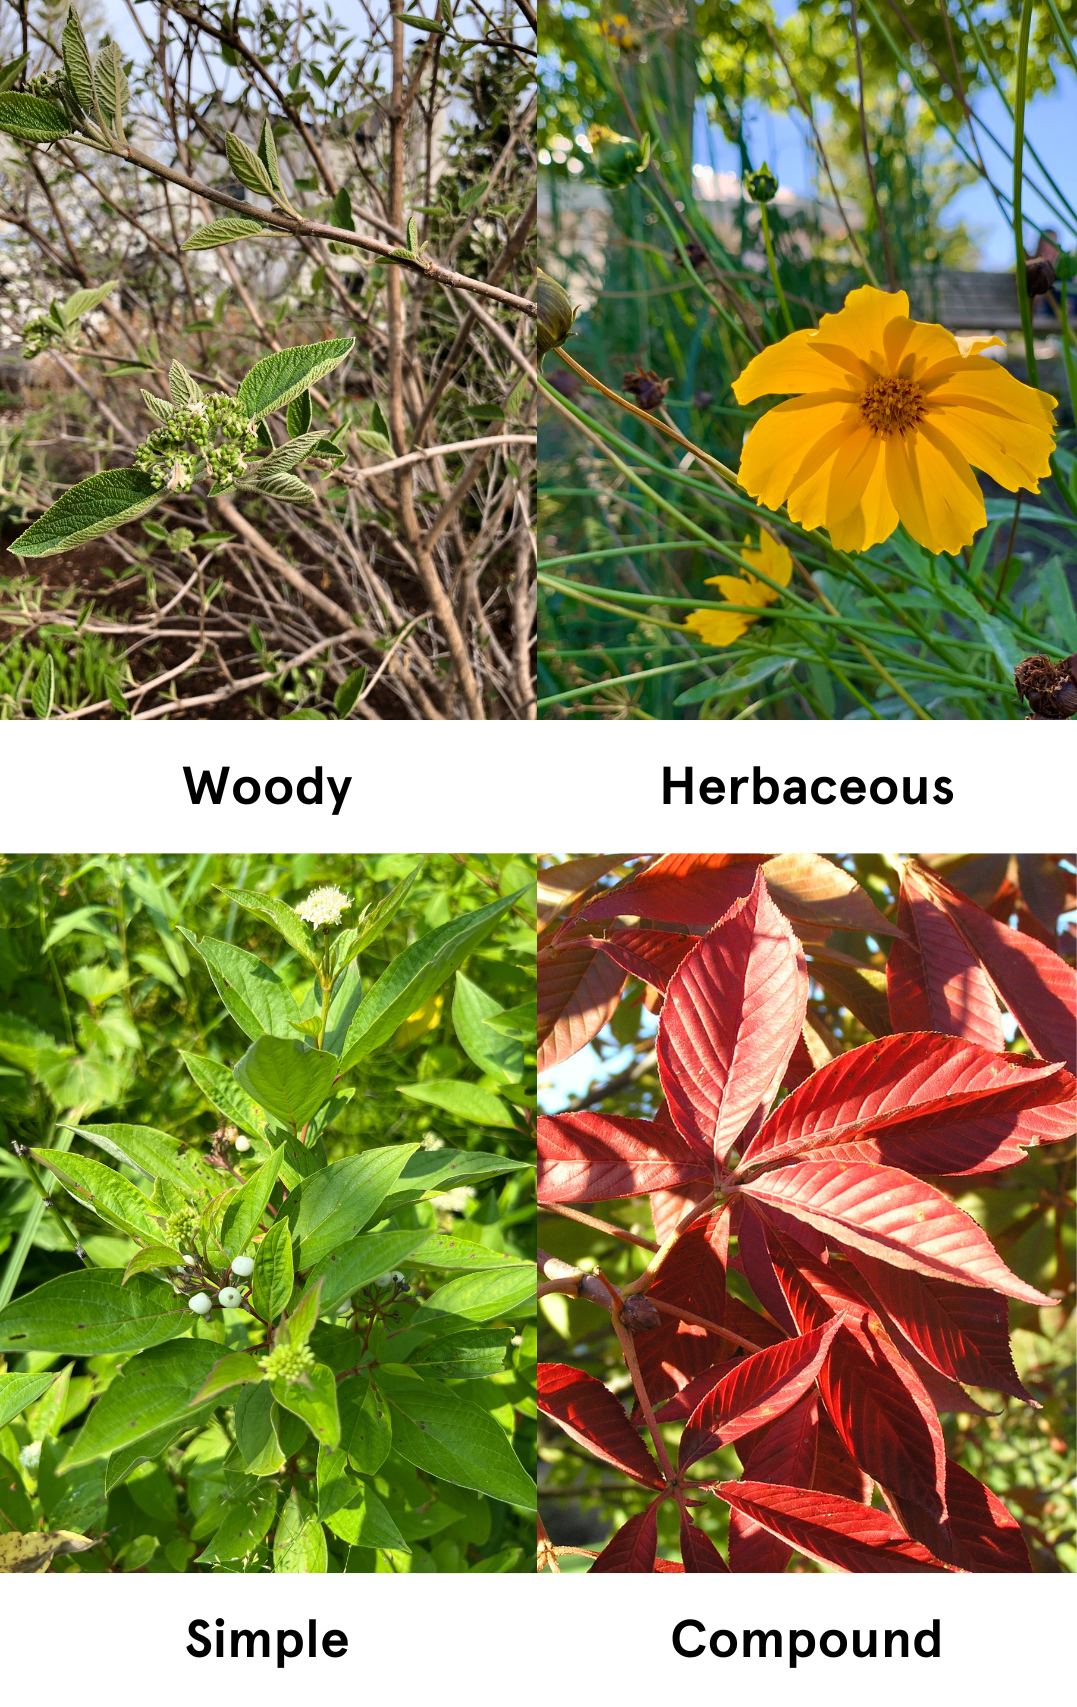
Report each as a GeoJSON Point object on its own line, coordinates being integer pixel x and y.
{"type": "Point", "coordinates": [1040, 275]}
{"type": "Point", "coordinates": [201, 1303]}
{"type": "Point", "coordinates": [1066, 268]}
{"type": "Point", "coordinates": [242, 1144]}
{"type": "Point", "coordinates": [761, 186]}
{"type": "Point", "coordinates": [555, 314]}
{"type": "Point", "coordinates": [617, 159]}
{"type": "Point", "coordinates": [243, 1266]}
{"type": "Point", "coordinates": [229, 1297]}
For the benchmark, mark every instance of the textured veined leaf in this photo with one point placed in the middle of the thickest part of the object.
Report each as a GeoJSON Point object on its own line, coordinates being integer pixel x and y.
{"type": "Point", "coordinates": [299, 410]}
{"type": "Point", "coordinates": [923, 1102]}
{"type": "Point", "coordinates": [731, 1019]}
{"type": "Point", "coordinates": [246, 165]}
{"type": "Point", "coordinates": [633, 1547]}
{"type": "Point", "coordinates": [591, 1416]}
{"type": "Point", "coordinates": [276, 379]}
{"type": "Point", "coordinates": [832, 1530]}
{"type": "Point", "coordinates": [590, 1158]}
{"type": "Point", "coordinates": [110, 81]}
{"type": "Point", "coordinates": [32, 119]}
{"type": "Point", "coordinates": [287, 487]}
{"type": "Point", "coordinates": [894, 1217]}
{"type": "Point", "coordinates": [44, 692]}
{"type": "Point", "coordinates": [94, 507]}
{"type": "Point", "coordinates": [221, 231]}
{"type": "Point", "coordinates": [267, 152]}
{"type": "Point", "coordinates": [578, 989]}
{"type": "Point", "coordinates": [652, 956]}
{"type": "Point", "coordinates": [934, 982]}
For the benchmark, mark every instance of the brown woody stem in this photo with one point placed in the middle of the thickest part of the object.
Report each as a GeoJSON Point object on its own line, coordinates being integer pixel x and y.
{"type": "Point", "coordinates": [702, 1322]}
{"type": "Point", "coordinates": [629, 1352]}
{"type": "Point", "coordinates": [600, 1226]}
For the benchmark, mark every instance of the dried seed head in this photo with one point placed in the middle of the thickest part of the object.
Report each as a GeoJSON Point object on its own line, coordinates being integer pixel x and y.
{"type": "Point", "coordinates": [1040, 275]}
{"type": "Point", "coordinates": [1049, 687]}
{"type": "Point", "coordinates": [645, 385]}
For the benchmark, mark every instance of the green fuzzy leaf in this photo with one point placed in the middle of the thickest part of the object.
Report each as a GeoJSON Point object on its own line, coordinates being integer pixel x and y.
{"type": "Point", "coordinates": [481, 1297]}
{"type": "Point", "coordinates": [161, 410]}
{"type": "Point", "coordinates": [221, 231]}
{"type": "Point", "coordinates": [440, 1432]}
{"type": "Point", "coordinates": [81, 302]}
{"type": "Point", "coordinates": [44, 692]}
{"type": "Point", "coordinates": [246, 166]}
{"type": "Point", "coordinates": [374, 441]}
{"type": "Point", "coordinates": [273, 1274]}
{"type": "Point", "coordinates": [11, 72]}
{"type": "Point", "coordinates": [276, 379]}
{"type": "Point", "coordinates": [407, 981]}
{"type": "Point", "coordinates": [95, 506]}
{"type": "Point", "coordinates": [295, 931]}
{"type": "Point", "coordinates": [91, 1313]}
{"type": "Point", "coordinates": [299, 414]}
{"type": "Point", "coordinates": [332, 1206]}
{"type": "Point", "coordinates": [418, 22]}
{"type": "Point", "coordinates": [109, 1195]}
{"type": "Point", "coordinates": [76, 56]}
{"type": "Point", "coordinates": [31, 119]}
{"type": "Point", "coordinates": [257, 998]}
{"type": "Point", "coordinates": [460, 1098]}
{"type": "Point", "coordinates": [267, 153]}
{"type": "Point", "coordinates": [183, 388]}
{"type": "Point", "coordinates": [288, 1080]}
{"type": "Point", "coordinates": [313, 1398]}
{"type": "Point", "coordinates": [219, 1087]}
{"type": "Point", "coordinates": [110, 81]}
{"type": "Point", "coordinates": [18, 1391]}
{"type": "Point", "coordinates": [149, 1392]}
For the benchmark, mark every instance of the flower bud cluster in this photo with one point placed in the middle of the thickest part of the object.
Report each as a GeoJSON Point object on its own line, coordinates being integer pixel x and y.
{"type": "Point", "coordinates": [164, 457]}
{"type": "Point", "coordinates": [181, 1228]}
{"type": "Point", "coordinates": [287, 1362]}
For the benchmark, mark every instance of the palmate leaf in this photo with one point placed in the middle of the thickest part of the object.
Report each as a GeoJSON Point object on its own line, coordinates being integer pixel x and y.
{"type": "Point", "coordinates": [935, 983]}
{"type": "Point", "coordinates": [922, 1102]}
{"type": "Point", "coordinates": [731, 1019]}
{"type": "Point", "coordinates": [633, 1547]}
{"type": "Point", "coordinates": [829, 1529]}
{"type": "Point", "coordinates": [893, 1217]}
{"type": "Point", "coordinates": [94, 507]}
{"type": "Point", "coordinates": [758, 1388]}
{"type": "Point", "coordinates": [962, 1331]}
{"type": "Point", "coordinates": [590, 1158]}
{"type": "Point", "coordinates": [578, 989]}
{"type": "Point", "coordinates": [590, 1415]}
{"type": "Point", "coordinates": [1036, 985]}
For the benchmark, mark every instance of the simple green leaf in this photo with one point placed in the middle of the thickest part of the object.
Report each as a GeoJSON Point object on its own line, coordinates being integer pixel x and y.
{"type": "Point", "coordinates": [152, 1256]}
{"type": "Point", "coordinates": [32, 119]}
{"type": "Point", "coordinates": [492, 1052]}
{"type": "Point", "coordinates": [255, 1435]}
{"type": "Point", "coordinates": [257, 998]}
{"type": "Point", "coordinates": [468, 1356]}
{"type": "Point", "coordinates": [247, 1208]}
{"type": "Point", "coordinates": [220, 231]}
{"type": "Point", "coordinates": [18, 1391]}
{"type": "Point", "coordinates": [443, 1250]}
{"type": "Point", "coordinates": [284, 919]}
{"type": "Point", "coordinates": [438, 1431]}
{"type": "Point", "coordinates": [234, 1370]}
{"type": "Point", "coordinates": [299, 1542]}
{"type": "Point", "coordinates": [273, 1276]}
{"type": "Point", "coordinates": [91, 1313]}
{"type": "Point", "coordinates": [332, 1206]}
{"type": "Point", "coordinates": [366, 1429]}
{"type": "Point", "coordinates": [90, 509]}
{"type": "Point", "coordinates": [299, 415]}
{"type": "Point", "coordinates": [219, 1087]}
{"type": "Point", "coordinates": [442, 1170]}
{"type": "Point", "coordinates": [480, 1297]}
{"type": "Point", "coordinates": [150, 1391]}
{"type": "Point", "coordinates": [154, 1153]}
{"type": "Point", "coordinates": [348, 692]}
{"type": "Point", "coordinates": [313, 1398]}
{"type": "Point", "coordinates": [467, 1102]}
{"type": "Point", "coordinates": [414, 975]}
{"type": "Point", "coordinates": [276, 379]}
{"type": "Point", "coordinates": [112, 1197]}
{"type": "Point", "coordinates": [360, 1262]}
{"type": "Point", "coordinates": [365, 1522]}
{"type": "Point", "coordinates": [246, 1522]}
{"type": "Point", "coordinates": [288, 1079]}
{"type": "Point", "coordinates": [246, 166]}
{"type": "Point", "coordinates": [44, 693]}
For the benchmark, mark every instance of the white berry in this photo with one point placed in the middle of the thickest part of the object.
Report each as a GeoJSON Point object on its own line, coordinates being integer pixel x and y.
{"type": "Point", "coordinates": [229, 1296]}
{"type": "Point", "coordinates": [383, 1280]}
{"type": "Point", "coordinates": [201, 1303]}
{"type": "Point", "coordinates": [188, 1261]}
{"type": "Point", "coordinates": [243, 1266]}
{"type": "Point", "coordinates": [242, 1144]}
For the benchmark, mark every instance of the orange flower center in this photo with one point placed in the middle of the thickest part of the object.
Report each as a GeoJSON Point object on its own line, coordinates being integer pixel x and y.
{"type": "Point", "coordinates": [892, 406]}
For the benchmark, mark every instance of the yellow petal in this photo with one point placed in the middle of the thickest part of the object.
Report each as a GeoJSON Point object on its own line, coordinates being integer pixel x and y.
{"type": "Point", "coordinates": [861, 325]}
{"type": "Point", "coordinates": [914, 348]}
{"type": "Point", "coordinates": [982, 384]}
{"type": "Point", "coordinates": [972, 346]}
{"type": "Point", "coordinates": [718, 628]}
{"type": "Point", "coordinates": [785, 446]}
{"type": "Point", "coordinates": [791, 365]}
{"type": "Point", "coordinates": [934, 489]}
{"type": "Point", "coordinates": [1014, 456]}
{"type": "Point", "coordinates": [742, 590]}
{"type": "Point", "coordinates": [773, 558]}
{"type": "Point", "coordinates": [860, 511]}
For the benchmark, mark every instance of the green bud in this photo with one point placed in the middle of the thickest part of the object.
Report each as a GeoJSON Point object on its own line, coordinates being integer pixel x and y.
{"type": "Point", "coordinates": [761, 186]}
{"type": "Point", "coordinates": [1066, 267]}
{"type": "Point", "coordinates": [555, 314]}
{"type": "Point", "coordinates": [287, 1362]}
{"type": "Point", "coordinates": [181, 1229]}
{"type": "Point", "coordinates": [617, 159]}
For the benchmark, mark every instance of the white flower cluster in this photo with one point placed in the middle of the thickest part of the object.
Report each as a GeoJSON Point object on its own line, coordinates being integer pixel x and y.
{"type": "Point", "coordinates": [323, 907]}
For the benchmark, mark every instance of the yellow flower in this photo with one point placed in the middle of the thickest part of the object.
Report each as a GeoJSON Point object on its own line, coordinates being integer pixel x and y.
{"type": "Point", "coordinates": [890, 415]}
{"type": "Point", "coordinates": [721, 628]}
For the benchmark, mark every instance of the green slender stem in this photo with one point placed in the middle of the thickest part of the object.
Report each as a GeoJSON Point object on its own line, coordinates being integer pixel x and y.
{"type": "Point", "coordinates": [70, 1237]}
{"type": "Point", "coordinates": [24, 1239]}
{"type": "Point", "coordinates": [1063, 33]}
{"type": "Point", "coordinates": [1061, 313]}
{"type": "Point", "coordinates": [773, 265]}
{"type": "Point", "coordinates": [1018, 170]}
{"type": "Point", "coordinates": [730, 319]}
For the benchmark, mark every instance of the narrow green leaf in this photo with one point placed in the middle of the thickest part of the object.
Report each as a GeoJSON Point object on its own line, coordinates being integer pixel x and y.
{"type": "Point", "coordinates": [344, 700]}
{"type": "Point", "coordinates": [247, 1208]}
{"type": "Point", "coordinates": [356, 941]}
{"type": "Point", "coordinates": [467, 1102]}
{"type": "Point", "coordinates": [407, 981]}
{"type": "Point", "coordinates": [443, 1250]}
{"type": "Point", "coordinates": [273, 1276]}
{"type": "Point", "coordinates": [94, 507]}
{"type": "Point", "coordinates": [246, 166]}
{"type": "Point", "coordinates": [154, 1153]}
{"type": "Point", "coordinates": [299, 1326]}
{"type": "Point", "coordinates": [76, 56]}
{"type": "Point", "coordinates": [44, 693]}
{"type": "Point", "coordinates": [267, 153]}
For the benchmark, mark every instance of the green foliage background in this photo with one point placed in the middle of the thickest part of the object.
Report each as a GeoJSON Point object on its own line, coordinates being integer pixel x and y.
{"type": "Point", "coordinates": [72, 927]}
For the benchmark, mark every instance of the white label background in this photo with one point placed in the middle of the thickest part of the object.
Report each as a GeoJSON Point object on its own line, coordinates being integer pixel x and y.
{"type": "Point", "coordinates": [493, 787]}
{"type": "Point", "coordinates": [443, 1641]}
